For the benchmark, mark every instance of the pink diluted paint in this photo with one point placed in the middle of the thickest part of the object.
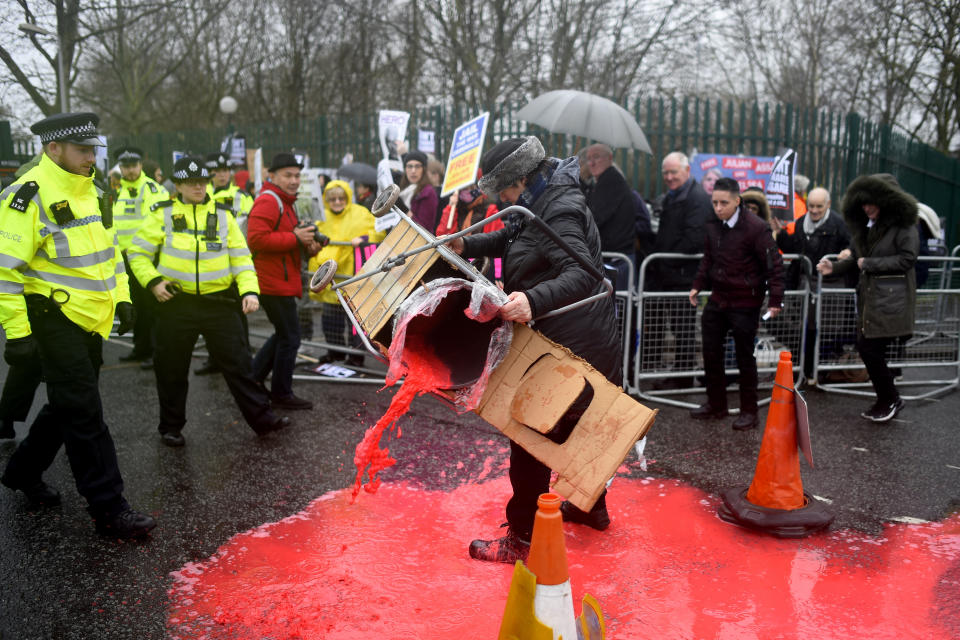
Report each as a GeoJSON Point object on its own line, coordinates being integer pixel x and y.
{"type": "Point", "coordinates": [396, 566]}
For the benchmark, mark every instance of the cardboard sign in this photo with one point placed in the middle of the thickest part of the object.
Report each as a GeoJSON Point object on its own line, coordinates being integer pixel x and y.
{"type": "Point", "coordinates": [393, 132]}
{"type": "Point", "coordinates": [465, 154]}
{"type": "Point", "coordinates": [426, 141]}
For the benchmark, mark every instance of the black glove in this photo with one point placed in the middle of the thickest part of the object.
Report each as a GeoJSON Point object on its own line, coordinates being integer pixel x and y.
{"type": "Point", "coordinates": [20, 352]}
{"type": "Point", "coordinates": [127, 315]}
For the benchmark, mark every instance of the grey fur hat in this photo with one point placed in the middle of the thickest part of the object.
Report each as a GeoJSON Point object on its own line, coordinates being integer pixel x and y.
{"type": "Point", "coordinates": [508, 162]}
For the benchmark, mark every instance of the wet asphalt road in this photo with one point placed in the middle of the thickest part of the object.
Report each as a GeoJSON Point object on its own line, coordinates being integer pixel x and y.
{"type": "Point", "coordinates": [58, 579]}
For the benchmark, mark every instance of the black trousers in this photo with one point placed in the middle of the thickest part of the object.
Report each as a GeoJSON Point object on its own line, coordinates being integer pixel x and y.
{"type": "Point", "coordinates": [146, 304]}
{"type": "Point", "coordinates": [19, 389]}
{"type": "Point", "coordinates": [180, 322]}
{"type": "Point", "coordinates": [529, 477]}
{"type": "Point", "coordinates": [873, 352]}
{"type": "Point", "coordinates": [742, 324]}
{"type": "Point", "coordinates": [70, 359]}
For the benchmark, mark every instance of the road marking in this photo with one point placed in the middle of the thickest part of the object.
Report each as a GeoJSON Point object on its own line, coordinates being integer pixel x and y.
{"type": "Point", "coordinates": [950, 466]}
{"type": "Point", "coordinates": [909, 520]}
{"type": "Point", "coordinates": [860, 449]}
{"type": "Point", "coordinates": [822, 499]}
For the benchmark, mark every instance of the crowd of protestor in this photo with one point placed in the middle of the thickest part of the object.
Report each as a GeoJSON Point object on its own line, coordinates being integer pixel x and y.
{"type": "Point", "coordinates": [194, 254]}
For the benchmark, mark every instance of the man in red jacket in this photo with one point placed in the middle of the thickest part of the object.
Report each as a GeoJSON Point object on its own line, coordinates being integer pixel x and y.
{"type": "Point", "coordinates": [740, 264]}
{"type": "Point", "coordinates": [278, 245]}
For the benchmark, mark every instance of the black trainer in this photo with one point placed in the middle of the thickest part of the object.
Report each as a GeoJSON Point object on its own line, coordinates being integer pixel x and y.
{"type": "Point", "coordinates": [173, 439]}
{"type": "Point", "coordinates": [507, 549]}
{"type": "Point", "coordinates": [291, 402]}
{"type": "Point", "coordinates": [745, 421]}
{"type": "Point", "coordinates": [707, 412]}
{"type": "Point", "coordinates": [40, 494]}
{"type": "Point", "coordinates": [126, 524]}
{"type": "Point", "coordinates": [597, 519]}
{"type": "Point", "coordinates": [273, 424]}
{"type": "Point", "coordinates": [883, 411]}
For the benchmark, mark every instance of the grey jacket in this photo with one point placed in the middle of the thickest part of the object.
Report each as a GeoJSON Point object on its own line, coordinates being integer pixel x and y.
{"type": "Point", "coordinates": [887, 291]}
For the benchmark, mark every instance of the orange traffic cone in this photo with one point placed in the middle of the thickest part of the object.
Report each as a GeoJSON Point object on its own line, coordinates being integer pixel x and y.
{"type": "Point", "coordinates": [776, 482]}
{"type": "Point", "coordinates": [546, 581]}
{"type": "Point", "coordinates": [775, 501]}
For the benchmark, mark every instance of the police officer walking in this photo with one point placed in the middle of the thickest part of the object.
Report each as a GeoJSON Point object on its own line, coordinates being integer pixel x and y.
{"type": "Point", "coordinates": [202, 253]}
{"type": "Point", "coordinates": [61, 279]}
{"type": "Point", "coordinates": [137, 193]}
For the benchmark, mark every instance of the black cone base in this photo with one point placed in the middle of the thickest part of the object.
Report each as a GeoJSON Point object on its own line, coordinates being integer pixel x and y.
{"type": "Point", "coordinates": [796, 523]}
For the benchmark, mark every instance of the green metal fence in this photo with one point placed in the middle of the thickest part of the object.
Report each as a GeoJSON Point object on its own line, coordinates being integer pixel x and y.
{"type": "Point", "coordinates": [832, 148]}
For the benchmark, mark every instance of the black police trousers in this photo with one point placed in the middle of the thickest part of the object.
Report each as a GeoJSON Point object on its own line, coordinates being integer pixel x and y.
{"type": "Point", "coordinates": [145, 304]}
{"type": "Point", "coordinates": [180, 322]}
{"type": "Point", "coordinates": [19, 389]}
{"type": "Point", "coordinates": [70, 359]}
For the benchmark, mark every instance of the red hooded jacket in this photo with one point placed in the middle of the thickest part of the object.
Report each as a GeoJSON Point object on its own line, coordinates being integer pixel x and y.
{"type": "Point", "coordinates": [276, 251]}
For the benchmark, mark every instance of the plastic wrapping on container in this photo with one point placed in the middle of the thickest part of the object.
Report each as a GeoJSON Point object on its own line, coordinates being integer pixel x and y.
{"type": "Point", "coordinates": [471, 349]}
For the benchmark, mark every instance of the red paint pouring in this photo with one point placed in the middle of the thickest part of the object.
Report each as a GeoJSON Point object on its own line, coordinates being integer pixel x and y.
{"type": "Point", "coordinates": [397, 567]}
{"type": "Point", "coordinates": [425, 372]}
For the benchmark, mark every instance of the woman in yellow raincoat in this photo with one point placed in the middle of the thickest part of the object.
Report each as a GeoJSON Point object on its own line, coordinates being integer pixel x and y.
{"type": "Point", "coordinates": [349, 226]}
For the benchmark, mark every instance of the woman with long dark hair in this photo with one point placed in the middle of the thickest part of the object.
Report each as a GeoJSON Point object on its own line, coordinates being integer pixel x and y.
{"type": "Point", "coordinates": [417, 192]}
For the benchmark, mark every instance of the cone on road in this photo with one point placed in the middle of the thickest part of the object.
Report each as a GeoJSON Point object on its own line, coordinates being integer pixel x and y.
{"type": "Point", "coordinates": [540, 603]}
{"type": "Point", "coordinates": [775, 502]}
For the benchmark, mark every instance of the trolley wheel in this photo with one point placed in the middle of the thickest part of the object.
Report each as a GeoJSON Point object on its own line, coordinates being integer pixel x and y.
{"type": "Point", "coordinates": [385, 201]}
{"type": "Point", "coordinates": [323, 276]}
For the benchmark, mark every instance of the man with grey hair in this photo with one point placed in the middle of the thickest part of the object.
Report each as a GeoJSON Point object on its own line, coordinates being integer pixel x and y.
{"type": "Point", "coordinates": [686, 211]}
{"type": "Point", "coordinates": [613, 208]}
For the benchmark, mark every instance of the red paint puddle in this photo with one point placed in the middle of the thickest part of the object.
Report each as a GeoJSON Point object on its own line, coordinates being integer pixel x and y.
{"type": "Point", "coordinates": [425, 372]}
{"type": "Point", "coordinates": [396, 566]}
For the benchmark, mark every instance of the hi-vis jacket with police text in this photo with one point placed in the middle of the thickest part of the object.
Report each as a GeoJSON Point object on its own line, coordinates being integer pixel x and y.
{"type": "Point", "coordinates": [239, 201]}
{"type": "Point", "coordinates": [132, 206]}
{"type": "Point", "coordinates": [200, 247]}
{"type": "Point", "coordinates": [53, 239]}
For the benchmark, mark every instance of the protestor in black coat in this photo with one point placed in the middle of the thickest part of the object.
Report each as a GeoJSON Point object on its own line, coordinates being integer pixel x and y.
{"type": "Point", "coordinates": [821, 231]}
{"type": "Point", "coordinates": [883, 221]}
{"type": "Point", "coordinates": [539, 276]}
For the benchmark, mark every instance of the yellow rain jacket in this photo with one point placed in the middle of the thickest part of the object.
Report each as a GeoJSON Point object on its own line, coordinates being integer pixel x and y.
{"type": "Point", "coordinates": [201, 248]}
{"type": "Point", "coordinates": [132, 206]}
{"type": "Point", "coordinates": [355, 220]}
{"type": "Point", "coordinates": [52, 238]}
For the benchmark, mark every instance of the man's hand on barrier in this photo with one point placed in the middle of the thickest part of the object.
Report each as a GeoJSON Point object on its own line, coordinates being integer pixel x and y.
{"type": "Point", "coordinates": [693, 296]}
{"type": "Point", "coordinates": [517, 308]}
{"type": "Point", "coordinates": [127, 316]}
{"type": "Point", "coordinates": [843, 255]}
{"type": "Point", "coordinates": [825, 266]}
{"type": "Point", "coordinates": [456, 245]}
{"type": "Point", "coordinates": [250, 304]}
{"type": "Point", "coordinates": [774, 311]}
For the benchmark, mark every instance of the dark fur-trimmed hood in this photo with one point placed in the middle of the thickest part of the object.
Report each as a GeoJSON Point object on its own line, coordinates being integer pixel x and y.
{"type": "Point", "coordinates": [897, 207]}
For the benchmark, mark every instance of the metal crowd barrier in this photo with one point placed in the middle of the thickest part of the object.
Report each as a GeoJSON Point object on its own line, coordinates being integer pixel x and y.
{"type": "Point", "coordinates": [929, 359]}
{"type": "Point", "coordinates": [668, 359]}
{"type": "Point", "coordinates": [624, 302]}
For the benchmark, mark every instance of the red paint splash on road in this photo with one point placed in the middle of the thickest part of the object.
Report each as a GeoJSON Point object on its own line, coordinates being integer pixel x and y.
{"type": "Point", "coordinates": [425, 372]}
{"type": "Point", "coordinates": [397, 567]}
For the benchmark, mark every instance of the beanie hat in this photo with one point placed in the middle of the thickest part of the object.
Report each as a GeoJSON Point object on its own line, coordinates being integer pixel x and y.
{"type": "Point", "coordinates": [416, 156]}
{"type": "Point", "coordinates": [508, 162]}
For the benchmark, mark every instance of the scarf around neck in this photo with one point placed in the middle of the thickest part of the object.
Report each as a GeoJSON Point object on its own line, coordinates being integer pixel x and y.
{"type": "Point", "coordinates": [809, 226]}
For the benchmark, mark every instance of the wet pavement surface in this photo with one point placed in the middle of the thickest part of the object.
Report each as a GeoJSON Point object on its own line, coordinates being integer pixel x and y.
{"type": "Point", "coordinates": [58, 579]}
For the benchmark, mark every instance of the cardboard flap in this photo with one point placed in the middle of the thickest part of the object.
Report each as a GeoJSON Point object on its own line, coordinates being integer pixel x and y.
{"type": "Point", "coordinates": [545, 393]}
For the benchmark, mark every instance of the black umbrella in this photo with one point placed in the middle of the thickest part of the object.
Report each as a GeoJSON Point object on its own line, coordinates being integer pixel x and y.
{"type": "Point", "coordinates": [358, 172]}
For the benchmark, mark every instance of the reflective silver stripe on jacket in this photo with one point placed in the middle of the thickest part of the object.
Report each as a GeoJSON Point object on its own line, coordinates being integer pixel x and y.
{"type": "Point", "coordinates": [146, 246]}
{"type": "Point", "coordinates": [11, 262]}
{"type": "Point", "coordinates": [191, 277]}
{"type": "Point", "coordinates": [239, 252]}
{"type": "Point", "coordinates": [74, 282]}
{"type": "Point", "coordinates": [11, 287]}
{"type": "Point", "coordinates": [73, 262]}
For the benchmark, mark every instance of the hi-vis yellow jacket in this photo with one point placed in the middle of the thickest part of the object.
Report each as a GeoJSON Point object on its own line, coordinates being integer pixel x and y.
{"type": "Point", "coordinates": [200, 245]}
{"type": "Point", "coordinates": [132, 206]}
{"type": "Point", "coordinates": [239, 201]}
{"type": "Point", "coordinates": [53, 240]}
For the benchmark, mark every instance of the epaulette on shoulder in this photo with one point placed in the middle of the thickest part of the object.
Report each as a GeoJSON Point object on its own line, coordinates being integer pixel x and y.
{"type": "Point", "coordinates": [153, 186]}
{"type": "Point", "coordinates": [21, 199]}
{"type": "Point", "coordinates": [224, 206]}
{"type": "Point", "coordinates": [161, 204]}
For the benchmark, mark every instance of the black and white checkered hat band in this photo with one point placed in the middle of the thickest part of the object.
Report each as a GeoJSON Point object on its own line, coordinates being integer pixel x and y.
{"type": "Point", "coordinates": [184, 174]}
{"type": "Point", "coordinates": [79, 132]}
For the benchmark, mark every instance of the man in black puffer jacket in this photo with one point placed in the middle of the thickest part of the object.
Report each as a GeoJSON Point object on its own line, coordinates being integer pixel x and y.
{"type": "Point", "coordinates": [882, 219]}
{"type": "Point", "coordinates": [539, 276]}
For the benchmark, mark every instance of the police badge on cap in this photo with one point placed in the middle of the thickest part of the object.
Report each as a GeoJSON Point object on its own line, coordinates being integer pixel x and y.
{"type": "Point", "coordinates": [129, 155]}
{"type": "Point", "coordinates": [78, 128]}
{"type": "Point", "coordinates": [217, 160]}
{"type": "Point", "coordinates": [189, 168]}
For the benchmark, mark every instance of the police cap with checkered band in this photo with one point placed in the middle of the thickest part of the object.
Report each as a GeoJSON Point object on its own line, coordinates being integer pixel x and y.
{"type": "Point", "coordinates": [78, 128]}
{"type": "Point", "coordinates": [217, 160]}
{"type": "Point", "coordinates": [189, 168]}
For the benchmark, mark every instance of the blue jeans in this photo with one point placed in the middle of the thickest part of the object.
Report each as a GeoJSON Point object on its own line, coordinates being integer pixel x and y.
{"type": "Point", "coordinates": [279, 353]}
